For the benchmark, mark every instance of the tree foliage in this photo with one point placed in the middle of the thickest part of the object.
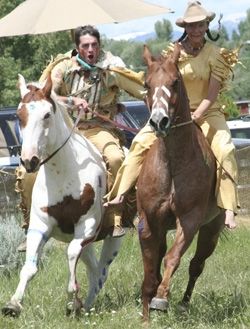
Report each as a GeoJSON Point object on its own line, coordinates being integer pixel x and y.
{"type": "Point", "coordinates": [28, 55]}
{"type": "Point", "coordinates": [163, 30]}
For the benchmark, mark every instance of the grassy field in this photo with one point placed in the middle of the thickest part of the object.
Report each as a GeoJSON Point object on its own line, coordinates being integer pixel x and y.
{"type": "Point", "coordinates": [221, 298]}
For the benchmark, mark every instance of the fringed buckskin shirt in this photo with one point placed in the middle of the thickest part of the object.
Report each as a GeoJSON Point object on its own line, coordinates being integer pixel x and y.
{"type": "Point", "coordinates": [196, 71]}
{"type": "Point", "coordinates": [101, 86]}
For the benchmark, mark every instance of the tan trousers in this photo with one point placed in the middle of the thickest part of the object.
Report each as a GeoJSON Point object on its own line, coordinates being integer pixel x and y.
{"type": "Point", "coordinates": [218, 135]}
{"type": "Point", "coordinates": [109, 146]}
{"type": "Point", "coordinates": [24, 186]}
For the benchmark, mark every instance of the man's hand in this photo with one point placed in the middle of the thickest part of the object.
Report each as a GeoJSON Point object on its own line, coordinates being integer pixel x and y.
{"type": "Point", "coordinates": [80, 103]}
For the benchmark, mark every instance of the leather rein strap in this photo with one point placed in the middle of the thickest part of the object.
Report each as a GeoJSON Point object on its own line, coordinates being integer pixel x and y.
{"type": "Point", "coordinates": [66, 140]}
{"type": "Point", "coordinates": [116, 124]}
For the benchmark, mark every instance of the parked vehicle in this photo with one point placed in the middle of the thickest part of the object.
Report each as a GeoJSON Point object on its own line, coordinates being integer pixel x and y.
{"type": "Point", "coordinates": [240, 127]}
{"type": "Point", "coordinates": [9, 157]}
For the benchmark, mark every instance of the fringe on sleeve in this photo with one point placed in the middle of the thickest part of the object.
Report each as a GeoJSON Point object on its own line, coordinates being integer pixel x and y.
{"type": "Point", "coordinates": [169, 50]}
{"type": "Point", "coordinates": [222, 65]}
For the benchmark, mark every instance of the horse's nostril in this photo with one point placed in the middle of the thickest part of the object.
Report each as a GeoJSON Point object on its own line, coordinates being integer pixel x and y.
{"type": "Point", "coordinates": [32, 165]}
{"type": "Point", "coordinates": [164, 124]}
{"type": "Point", "coordinates": [152, 124]}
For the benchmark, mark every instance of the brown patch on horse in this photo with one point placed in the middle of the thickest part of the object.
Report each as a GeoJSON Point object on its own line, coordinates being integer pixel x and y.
{"type": "Point", "coordinates": [23, 115]}
{"type": "Point", "coordinates": [35, 94]}
{"type": "Point", "coordinates": [68, 212]}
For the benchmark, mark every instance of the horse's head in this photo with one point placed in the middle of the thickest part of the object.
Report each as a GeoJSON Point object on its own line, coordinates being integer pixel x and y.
{"type": "Point", "coordinates": [163, 82]}
{"type": "Point", "coordinates": [35, 113]}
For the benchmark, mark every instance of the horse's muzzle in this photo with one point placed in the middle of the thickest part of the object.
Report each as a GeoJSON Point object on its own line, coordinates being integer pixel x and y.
{"type": "Point", "coordinates": [161, 127]}
{"type": "Point", "coordinates": [31, 165]}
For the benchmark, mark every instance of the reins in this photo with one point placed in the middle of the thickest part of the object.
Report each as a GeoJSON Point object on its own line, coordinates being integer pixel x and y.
{"type": "Point", "coordinates": [118, 125]}
{"type": "Point", "coordinates": [181, 124]}
{"type": "Point", "coordinates": [66, 140]}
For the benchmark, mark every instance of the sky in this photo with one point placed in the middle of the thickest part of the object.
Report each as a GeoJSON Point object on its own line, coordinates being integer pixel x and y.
{"type": "Point", "coordinates": [232, 10]}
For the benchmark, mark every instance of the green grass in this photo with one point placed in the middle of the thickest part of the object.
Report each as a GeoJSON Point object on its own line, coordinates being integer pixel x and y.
{"type": "Point", "coordinates": [220, 300]}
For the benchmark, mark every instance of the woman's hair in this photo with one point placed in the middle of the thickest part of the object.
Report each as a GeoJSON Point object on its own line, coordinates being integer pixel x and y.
{"type": "Point", "coordinates": [209, 35]}
{"type": "Point", "coordinates": [87, 29]}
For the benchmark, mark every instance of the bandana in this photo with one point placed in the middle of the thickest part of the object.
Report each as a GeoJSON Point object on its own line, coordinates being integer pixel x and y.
{"type": "Point", "coordinates": [84, 65]}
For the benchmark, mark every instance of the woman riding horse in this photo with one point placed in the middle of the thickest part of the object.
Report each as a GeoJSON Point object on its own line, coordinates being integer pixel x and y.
{"type": "Point", "coordinates": [205, 69]}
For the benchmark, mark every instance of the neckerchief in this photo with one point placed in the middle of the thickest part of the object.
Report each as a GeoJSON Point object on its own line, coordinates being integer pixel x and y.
{"type": "Point", "coordinates": [84, 65]}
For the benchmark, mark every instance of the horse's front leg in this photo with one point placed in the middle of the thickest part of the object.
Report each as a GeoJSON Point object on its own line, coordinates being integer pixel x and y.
{"type": "Point", "coordinates": [36, 239]}
{"type": "Point", "coordinates": [153, 248]}
{"type": "Point", "coordinates": [85, 233]}
{"type": "Point", "coordinates": [183, 238]}
{"type": "Point", "coordinates": [74, 304]}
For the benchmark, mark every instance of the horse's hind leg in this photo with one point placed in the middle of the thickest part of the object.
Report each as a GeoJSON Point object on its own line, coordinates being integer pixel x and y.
{"type": "Point", "coordinates": [206, 244]}
{"type": "Point", "coordinates": [98, 273]}
{"type": "Point", "coordinates": [110, 249]}
{"type": "Point", "coordinates": [35, 243]}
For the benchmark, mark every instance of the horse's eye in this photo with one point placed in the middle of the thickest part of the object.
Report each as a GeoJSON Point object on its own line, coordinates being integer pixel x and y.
{"type": "Point", "coordinates": [146, 86]}
{"type": "Point", "coordinates": [175, 83]}
{"type": "Point", "coordinates": [47, 115]}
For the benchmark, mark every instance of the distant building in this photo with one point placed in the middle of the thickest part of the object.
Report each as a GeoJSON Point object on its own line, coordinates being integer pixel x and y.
{"type": "Point", "coordinates": [243, 106]}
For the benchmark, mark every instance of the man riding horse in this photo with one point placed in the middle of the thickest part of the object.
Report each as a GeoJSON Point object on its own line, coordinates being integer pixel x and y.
{"type": "Point", "coordinates": [90, 78]}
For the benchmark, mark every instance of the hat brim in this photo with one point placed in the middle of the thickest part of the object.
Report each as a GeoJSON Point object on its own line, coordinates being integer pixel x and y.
{"type": "Point", "coordinates": [182, 22]}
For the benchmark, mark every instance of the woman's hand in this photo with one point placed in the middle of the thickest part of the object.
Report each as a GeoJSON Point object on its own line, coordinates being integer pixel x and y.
{"type": "Point", "coordinates": [196, 115]}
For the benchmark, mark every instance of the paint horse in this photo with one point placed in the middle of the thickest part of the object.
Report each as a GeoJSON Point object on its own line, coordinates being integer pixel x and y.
{"type": "Point", "coordinates": [180, 175]}
{"type": "Point", "coordinates": [67, 195]}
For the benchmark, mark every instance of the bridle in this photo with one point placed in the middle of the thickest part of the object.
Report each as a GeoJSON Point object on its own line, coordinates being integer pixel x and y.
{"type": "Point", "coordinates": [166, 103]}
{"type": "Point", "coordinates": [66, 140]}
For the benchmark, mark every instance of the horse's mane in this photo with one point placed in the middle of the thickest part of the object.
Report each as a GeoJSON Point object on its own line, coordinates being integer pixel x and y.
{"type": "Point", "coordinates": [62, 107]}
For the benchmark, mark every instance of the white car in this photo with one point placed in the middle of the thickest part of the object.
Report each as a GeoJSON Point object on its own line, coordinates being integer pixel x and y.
{"type": "Point", "coordinates": [240, 128]}
{"type": "Point", "coordinates": [240, 131]}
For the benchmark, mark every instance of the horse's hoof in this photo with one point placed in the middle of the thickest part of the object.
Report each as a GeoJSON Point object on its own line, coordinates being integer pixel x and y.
{"type": "Point", "coordinates": [159, 304]}
{"type": "Point", "coordinates": [12, 309]}
{"type": "Point", "coordinates": [74, 307]}
{"type": "Point", "coordinates": [69, 308]}
{"type": "Point", "coordinates": [183, 307]}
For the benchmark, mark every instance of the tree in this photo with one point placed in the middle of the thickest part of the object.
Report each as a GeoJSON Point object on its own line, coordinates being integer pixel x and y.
{"type": "Point", "coordinates": [163, 30]}
{"type": "Point", "coordinates": [27, 55]}
{"type": "Point", "coordinates": [241, 81]}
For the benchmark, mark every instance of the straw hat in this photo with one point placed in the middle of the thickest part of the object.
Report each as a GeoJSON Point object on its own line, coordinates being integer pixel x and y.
{"type": "Point", "coordinates": [195, 13]}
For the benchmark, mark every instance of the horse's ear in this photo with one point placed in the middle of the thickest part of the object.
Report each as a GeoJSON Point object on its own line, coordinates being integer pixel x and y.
{"type": "Point", "coordinates": [176, 52]}
{"type": "Point", "coordinates": [48, 86]}
{"type": "Point", "coordinates": [22, 85]}
{"type": "Point", "coordinates": [147, 56]}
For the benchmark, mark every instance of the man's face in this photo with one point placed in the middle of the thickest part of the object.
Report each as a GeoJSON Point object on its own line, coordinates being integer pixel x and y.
{"type": "Point", "coordinates": [89, 49]}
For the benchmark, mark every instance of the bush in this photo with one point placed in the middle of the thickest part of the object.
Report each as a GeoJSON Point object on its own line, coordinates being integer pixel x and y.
{"type": "Point", "coordinates": [11, 235]}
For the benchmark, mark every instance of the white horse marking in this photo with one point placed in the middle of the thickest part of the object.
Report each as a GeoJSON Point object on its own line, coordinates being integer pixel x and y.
{"type": "Point", "coordinates": [160, 99]}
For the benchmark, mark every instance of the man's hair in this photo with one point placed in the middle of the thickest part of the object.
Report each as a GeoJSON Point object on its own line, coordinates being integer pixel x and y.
{"type": "Point", "coordinates": [87, 29]}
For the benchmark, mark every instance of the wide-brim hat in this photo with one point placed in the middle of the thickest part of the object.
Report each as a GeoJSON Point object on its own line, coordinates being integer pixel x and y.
{"type": "Point", "coordinates": [195, 13]}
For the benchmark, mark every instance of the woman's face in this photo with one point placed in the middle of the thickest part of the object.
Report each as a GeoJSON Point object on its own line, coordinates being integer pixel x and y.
{"type": "Point", "coordinates": [196, 31]}
{"type": "Point", "coordinates": [89, 48]}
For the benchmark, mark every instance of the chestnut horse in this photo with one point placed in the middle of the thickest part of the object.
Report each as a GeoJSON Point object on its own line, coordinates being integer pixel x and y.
{"type": "Point", "coordinates": [176, 186]}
